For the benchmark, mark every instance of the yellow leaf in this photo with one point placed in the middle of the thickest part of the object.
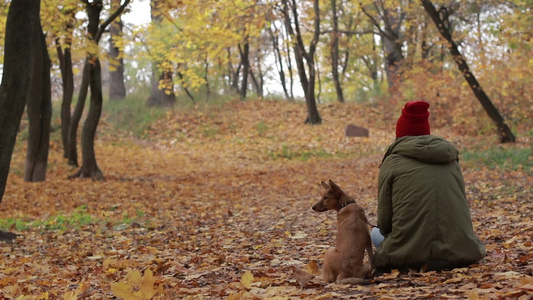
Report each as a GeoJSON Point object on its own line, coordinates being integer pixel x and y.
{"type": "Point", "coordinates": [473, 295]}
{"type": "Point", "coordinates": [43, 296]}
{"type": "Point", "coordinates": [71, 295]}
{"type": "Point", "coordinates": [246, 279]}
{"type": "Point", "coordinates": [134, 277]}
{"type": "Point", "coordinates": [136, 287]}
{"type": "Point", "coordinates": [312, 268]}
{"type": "Point", "coordinates": [147, 284]}
{"type": "Point", "coordinates": [124, 291]}
{"type": "Point", "coordinates": [111, 271]}
{"type": "Point", "coordinates": [11, 290]}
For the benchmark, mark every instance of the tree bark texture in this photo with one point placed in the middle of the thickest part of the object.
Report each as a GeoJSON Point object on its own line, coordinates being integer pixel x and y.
{"type": "Point", "coordinates": [67, 76]}
{"type": "Point", "coordinates": [89, 168]}
{"type": "Point", "coordinates": [504, 132]}
{"type": "Point", "coordinates": [245, 61]}
{"type": "Point", "coordinates": [72, 151]}
{"type": "Point", "coordinates": [117, 89]}
{"type": "Point", "coordinates": [335, 52]}
{"type": "Point", "coordinates": [22, 19]}
{"type": "Point", "coordinates": [39, 110]}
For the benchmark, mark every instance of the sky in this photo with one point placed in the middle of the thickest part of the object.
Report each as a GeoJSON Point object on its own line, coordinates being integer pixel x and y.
{"type": "Point", "coordinates": [139, 14]}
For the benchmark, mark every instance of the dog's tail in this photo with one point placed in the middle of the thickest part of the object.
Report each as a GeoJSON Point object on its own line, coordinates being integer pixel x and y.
{"type": "Point", "coordinates": [354, 281]}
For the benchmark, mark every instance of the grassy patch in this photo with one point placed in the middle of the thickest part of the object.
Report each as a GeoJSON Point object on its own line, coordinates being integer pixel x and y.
{"type": "Point", "coordinates": [298, 154]}
{"type": "Point", "coordinates": [261, 127]}
{"type": "Point", "coordinates": [78, 218]}
{"type": "Point", "coordinates": [131, 114]}
{"type": "Point", "coordinates": [500, 157]}
{"type": "Point", "coordinates": [209, 132]}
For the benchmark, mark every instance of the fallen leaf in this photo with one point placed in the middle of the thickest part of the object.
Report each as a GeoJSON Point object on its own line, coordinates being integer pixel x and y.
{"type": "Point", "coordinates": [247, 279]}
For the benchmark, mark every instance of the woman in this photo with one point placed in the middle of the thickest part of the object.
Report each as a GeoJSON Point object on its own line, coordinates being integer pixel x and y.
{"type": "Point", "coordinates": [423, 214]}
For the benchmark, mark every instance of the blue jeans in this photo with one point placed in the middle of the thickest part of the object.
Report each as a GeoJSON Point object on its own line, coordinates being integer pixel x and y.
{"type": "Point", "coordinates": [376, 237]}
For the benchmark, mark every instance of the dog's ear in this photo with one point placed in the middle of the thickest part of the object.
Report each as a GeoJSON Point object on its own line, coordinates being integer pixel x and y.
{"type": "Point", "coordinates": [334, 186]}
{"type": "Point", "coordinates": [325, 185]}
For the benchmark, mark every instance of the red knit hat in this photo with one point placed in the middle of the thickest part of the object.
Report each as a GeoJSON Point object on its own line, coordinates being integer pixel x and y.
{"type": "Point", "coordinates": [414, 119]}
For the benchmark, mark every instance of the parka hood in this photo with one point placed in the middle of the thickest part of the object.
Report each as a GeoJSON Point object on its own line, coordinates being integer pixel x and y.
{"type": "Point", "coordinates": [426, 148]}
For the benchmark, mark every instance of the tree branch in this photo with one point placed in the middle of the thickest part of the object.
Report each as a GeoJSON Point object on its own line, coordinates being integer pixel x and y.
{"type": "Point", "coordinates": [111, 18]}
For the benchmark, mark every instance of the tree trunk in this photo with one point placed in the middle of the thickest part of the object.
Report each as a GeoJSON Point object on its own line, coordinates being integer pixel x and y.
{"type": "Point", "coordinates": [233, 74]}
{"type": "Point", "coordinates": [393, 58]}
{"type": "Point", "coordinates": [289, 66]}
{"type": "Point", "coordinates": [279, 62]}
{"type": "Point", "coordinates": [92, 75]}
{"type": "Point", "coordinates": [22, 19]}
{"type": "Point", "coordinates": [39, 110]}
{"type": "Point", "coordinates": [117, 90]}
{"type": "Point", "coordinates": [392, 44]}
{"type": "Point", "coordinates": [300, 53]}
{"type": "Point", "coordinates": [162, 91]}
{"type": "Point", "coordinates": [245, 61]}
{"type": "Point", "coordinates": [67, 76]}
{"type": "Point", "coordinates": [504, 132]}
{"type": "Point", "coordinates": [259, 80]}
{"type": "Point", "coordinates": [335, 52]}
{"type": "Point", "coordinates": [72, 153]}
{"type": "Point", "coordinates": [206, 78]}
{"type": "Point", "coordinates": [89, 168]}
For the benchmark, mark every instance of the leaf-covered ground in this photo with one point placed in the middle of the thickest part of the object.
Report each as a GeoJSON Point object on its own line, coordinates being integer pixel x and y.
{"type": "Point", "coordinates": [217, 205]}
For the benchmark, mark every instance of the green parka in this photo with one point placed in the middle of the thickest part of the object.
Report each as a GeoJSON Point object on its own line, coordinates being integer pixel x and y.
{"type": "Point", "coordinates": [422, 208]}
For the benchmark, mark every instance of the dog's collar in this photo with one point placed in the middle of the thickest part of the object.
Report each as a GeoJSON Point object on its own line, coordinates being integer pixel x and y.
{"type": "Point", "coordinates": [346, 203]}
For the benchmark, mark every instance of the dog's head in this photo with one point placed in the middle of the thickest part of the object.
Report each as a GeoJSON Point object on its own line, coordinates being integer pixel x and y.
{"type": "Point", "coordinates": [330, 198]}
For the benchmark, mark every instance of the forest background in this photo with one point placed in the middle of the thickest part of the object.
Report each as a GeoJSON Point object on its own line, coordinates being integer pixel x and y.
{"type": "Point", "coordinates": [210, 126]}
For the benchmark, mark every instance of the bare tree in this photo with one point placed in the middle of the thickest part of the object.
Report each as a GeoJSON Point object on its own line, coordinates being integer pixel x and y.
{"type": "Point", "coordinates": [303, 56]}
{"type": "Point", "coordinates": [504, 132]}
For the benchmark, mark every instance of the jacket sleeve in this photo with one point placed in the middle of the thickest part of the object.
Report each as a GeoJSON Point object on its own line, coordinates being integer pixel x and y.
{"type": "Point", "coordinates": [385, 180]}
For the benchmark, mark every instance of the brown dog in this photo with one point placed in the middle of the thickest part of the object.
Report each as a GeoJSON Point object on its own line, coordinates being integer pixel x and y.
{"type": "Point", "coordinates": [344, 262]}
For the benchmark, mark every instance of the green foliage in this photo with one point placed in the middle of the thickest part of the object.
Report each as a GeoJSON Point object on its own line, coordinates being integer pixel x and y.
{"type": "Point", "coordinates": [78, 218]}
{"type": "Point", "coordinates": [504, 158]}
{"type": "Point", "coordinates": [131, 114]}
{"type": "Point", "coordinates": [16, 223]}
